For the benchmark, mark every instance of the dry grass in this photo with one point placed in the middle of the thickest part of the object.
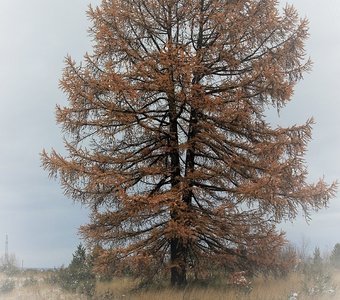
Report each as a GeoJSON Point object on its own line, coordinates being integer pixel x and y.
{"type": "Point", "coordinates": [28, 286]}
{"type": "Point", "coordinates": [39, 292]}
{"type": "Point", "coordinates": [263, 289]}
{"type": "Point", "coordinates": [124, 288]}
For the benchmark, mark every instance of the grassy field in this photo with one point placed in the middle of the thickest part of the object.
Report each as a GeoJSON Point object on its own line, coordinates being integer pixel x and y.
{"type": "Point", "coordinates": [263, 289]}
{"type": "Point", "coordinates": [33, 286]}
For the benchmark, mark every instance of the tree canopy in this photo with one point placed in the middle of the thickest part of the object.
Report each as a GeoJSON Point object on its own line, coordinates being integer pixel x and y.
{"type": "Point", "coordinates": [167, 140]}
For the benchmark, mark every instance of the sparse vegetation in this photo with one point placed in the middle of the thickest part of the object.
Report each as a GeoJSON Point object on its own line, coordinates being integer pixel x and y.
{"type": "Point", "coordinates": [313, 277]}
{"type": "Point", "coordinates": [297, 276]}
{"type": "Point", "coordinates": [263, 288]}
{"type": "Point", "coordinates": [9, 264]}
{"type": "Point", "coordinates": [7, 286]}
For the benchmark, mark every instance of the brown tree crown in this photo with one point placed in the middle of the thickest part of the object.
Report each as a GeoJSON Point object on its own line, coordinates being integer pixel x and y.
{"type": "Point", "coordinates": [167, 140]}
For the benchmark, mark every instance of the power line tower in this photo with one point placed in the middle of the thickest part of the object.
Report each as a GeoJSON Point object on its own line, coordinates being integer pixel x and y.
{"type": "Point", "coordinates": [6, 250]}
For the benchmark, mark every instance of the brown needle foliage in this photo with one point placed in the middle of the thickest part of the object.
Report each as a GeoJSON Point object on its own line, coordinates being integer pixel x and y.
{"type": "Point", "coordinates": [166, 137]}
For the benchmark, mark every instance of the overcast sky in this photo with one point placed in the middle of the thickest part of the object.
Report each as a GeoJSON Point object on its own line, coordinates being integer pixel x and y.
{"type": "Point", "coordinates": [35, 36]}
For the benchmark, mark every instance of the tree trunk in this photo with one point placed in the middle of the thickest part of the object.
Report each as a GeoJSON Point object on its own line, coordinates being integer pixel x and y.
{"type": "Point", "coordinates": [178, 263]}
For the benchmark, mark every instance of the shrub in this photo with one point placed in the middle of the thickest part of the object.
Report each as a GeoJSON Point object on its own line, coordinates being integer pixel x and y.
{"type": "Point", "coordinates": [30, 281]}
{"type": "Point", "coordinates": [9, 264]}
{"type": "Point", "coordinates": [7, 286]}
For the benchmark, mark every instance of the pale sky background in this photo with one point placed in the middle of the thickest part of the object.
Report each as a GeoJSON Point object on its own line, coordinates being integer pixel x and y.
{"type": "Point", "coordinates": [35, 36]}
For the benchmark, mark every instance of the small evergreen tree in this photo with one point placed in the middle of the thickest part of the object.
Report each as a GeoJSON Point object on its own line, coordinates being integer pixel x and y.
{"type": "Point", "coordinates": [317, 279]}
{"type": "Point", "coordinates": [335, 256]}
{"type": "Point", "coordinates": [79, 276]}
{"type": "Point", "coordinates": [317, 260]}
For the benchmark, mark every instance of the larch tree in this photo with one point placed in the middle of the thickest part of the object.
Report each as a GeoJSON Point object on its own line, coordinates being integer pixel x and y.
{"type": "Point", "coordinates": [167, 140]}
